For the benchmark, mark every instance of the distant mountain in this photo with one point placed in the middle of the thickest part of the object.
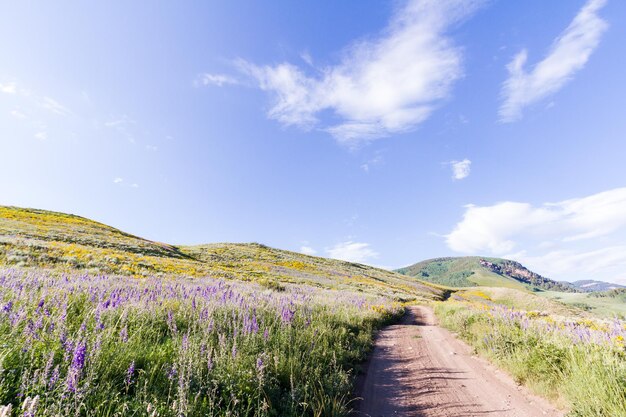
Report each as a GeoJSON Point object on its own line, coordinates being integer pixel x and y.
{"type": "Point", "coordinates": [590, 285]}
{"type": "Point", "coordinates": [472, 271]}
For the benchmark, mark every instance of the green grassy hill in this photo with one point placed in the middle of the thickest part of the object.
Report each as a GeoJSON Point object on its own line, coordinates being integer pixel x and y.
{"type": "Point", "coordinates": [471, 271]}
{"type": "Point", "coordinates": [64, 242]}
{"type": "Point", "coordinates": [603, 304]}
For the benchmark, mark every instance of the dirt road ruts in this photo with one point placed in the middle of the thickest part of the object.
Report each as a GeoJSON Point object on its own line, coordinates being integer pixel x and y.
{"type": "Point", "coordinates": [418, 369]}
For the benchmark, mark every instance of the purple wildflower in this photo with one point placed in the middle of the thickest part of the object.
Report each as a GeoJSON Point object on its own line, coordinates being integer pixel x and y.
{"type": "Point", "coordinates": [171, 373]}
{"type": "Point", "coordinates": [129, 373]}
{"type": "Point", "coordinates": [7, 307]}
{"type": "Point", "coordinates": [54, 377]}
{"type": "Point", "coordinates": [124, 335]}
{"type": "Point", "coordinates": [287, 315]}
{"type": "Point", "coordinates": [78, 362]}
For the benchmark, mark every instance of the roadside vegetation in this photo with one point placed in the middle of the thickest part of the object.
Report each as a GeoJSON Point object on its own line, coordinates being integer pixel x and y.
{"type": "Point", "coordinates": [578, 362]}
{"type": "Point", "coordinates": [81, 345]}
{"type": "Point", "coordinates": [98, 322]}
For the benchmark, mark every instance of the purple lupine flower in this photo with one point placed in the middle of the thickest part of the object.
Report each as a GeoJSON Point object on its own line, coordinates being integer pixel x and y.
{"type": "Point", "coordinates": [78, 362]}
{"type": "Point", "coordinates": [171, 373]}
{"type": "Point", "coordinates": [171, 322]}
{"type": "Point", "coordinates": [7, 307]}
{"type": "Point", "coordinates": [185, 344]}
{"type": "Point", "coordinates": [30, 406]}
{"type": "Point", "coordinates": [46, 369]}
{"type": "Point", "coordinates": [287, 315]}
{"type": "Point", "coordinates": [124, 335]}
{"type": "Point", "coordinates": [255, 325]}
{"type": "Point", "coordinates": [54, 377]}
{"type": "Point", "coordinates": [129, 373]}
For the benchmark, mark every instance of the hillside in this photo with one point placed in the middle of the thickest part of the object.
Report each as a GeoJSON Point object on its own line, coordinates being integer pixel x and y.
{"type": "Point", "coordinates": [64, 242]}
{"type": "Point", "coordinates": [471, 271]}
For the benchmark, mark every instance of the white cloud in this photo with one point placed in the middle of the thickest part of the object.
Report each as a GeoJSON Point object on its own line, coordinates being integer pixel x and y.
{"type": "Point", "coordinates": [306, 57]}
{"type": "Point", "coordinates": [386, 84]}
{"type": "Point", "coordinates": [562, 262]}
{"type": "Point", "coordinates": [307, 250]}
{"type": "Point", "coordinates": [461, 169]}
{"type": "Point", "coordinates": [568, 238]}
{"type": "Point", "coordinates": [215, 79]}
{"type": "Point", "coordinates": [41, 135]}
{"type": "Point", "coordinates": [124, 125]}
{"type": "Point", "coordinates": [44, 102]}
{"type": "Point", "coordinates": [120, 122]}
{"type": "Point", "coordinates": [374, 161]}
{"type": "Point", "coordinates": [17, 114]}
{"type": "Point", "coordinates": [569, 53]}
{"type": "Point", "coordinates": [8, 88]}
{"type": "Point", "coordinates": [352, 252]}
{"type": "Point", "coordinates": [120, 181]}
{"type": "Point", "coordinates": [54, 106]}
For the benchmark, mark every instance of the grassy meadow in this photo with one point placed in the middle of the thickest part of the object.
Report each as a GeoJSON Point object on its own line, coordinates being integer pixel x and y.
{"type": "Point", "coordinates": [82, 345]}
{"type": "Point", "coordinates": [97, 322]}
{"type": "Point", "coordinates": [573, 359]}
{"type": "Point", "coordinates": [604, 304]}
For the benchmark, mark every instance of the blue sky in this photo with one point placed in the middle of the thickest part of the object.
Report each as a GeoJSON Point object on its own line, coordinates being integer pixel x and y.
{"type": "Point", "coordinates": [385, 134]}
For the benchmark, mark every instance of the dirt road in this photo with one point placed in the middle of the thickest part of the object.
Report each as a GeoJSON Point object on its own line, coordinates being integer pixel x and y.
{"type": "Point", "coordinates": [420, 369]}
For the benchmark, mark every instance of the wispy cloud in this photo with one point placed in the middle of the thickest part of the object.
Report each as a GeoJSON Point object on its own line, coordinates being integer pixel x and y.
{"type": "Point", "coordinates": [386, 84]}
{"type": "Point", "coordinates": [376, 160]}
{"type": "Point", "coordinates": [603, 263]}
{"type": "Point", "coordinates": [123, 125]}
{"type": "Point", "coordinates": [569, 53]}
{"type": "Point", "coordinates": [44, 102]}
{"type": "Point", "coordinates": [8, 88]}
{"type": "Point", "coordinates": [121, 182]}
{"type": "Point", "coordinates": [307, 250]}
{"type": "Point", "coordinates": [570, 230]}
{"type": "Point", "coordinates": [306, 57]}
{"type": "Point", "coordinates": [41, 135]}
{"type": "Point", "coordinates": [215, 79]}
{"type": "Point", "coordinates": [359, 252]}
{"type": "Point", "coordinates": [54, 106]}
{"type": "Point", "coordinates": [17, 114]}
{"type": "Point", "coordinates": [460, 169]}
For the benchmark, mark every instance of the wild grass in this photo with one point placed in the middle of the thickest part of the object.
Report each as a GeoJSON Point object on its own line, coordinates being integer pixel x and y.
{"type": "Point", "coordinates": [60, 242]}
{"type": "Point", "coordinates": [579, 363]}
{"type": "Point", "coordinates": [83, 345]}
{"type": "Point", "coordinates": [603, 304]}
